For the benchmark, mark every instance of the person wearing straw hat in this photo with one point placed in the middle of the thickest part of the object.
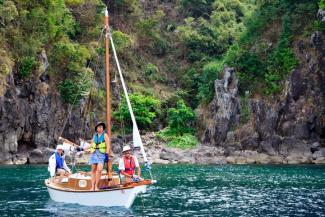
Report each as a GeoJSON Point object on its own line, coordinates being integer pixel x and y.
{"type": "Point", "coordinates": [57, 165]}
{"type": "Point", "coordinates": [128, 164]}
{"type": "Point", "coordinates": [99, 147]}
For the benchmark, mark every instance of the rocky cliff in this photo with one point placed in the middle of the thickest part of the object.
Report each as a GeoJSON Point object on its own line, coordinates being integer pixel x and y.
{"type": "Point", "coordinates": [32, 116]}
{"type": "Point", "coordinates": [286, 128]}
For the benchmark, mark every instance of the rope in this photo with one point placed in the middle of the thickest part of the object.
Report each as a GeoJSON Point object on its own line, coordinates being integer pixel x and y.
{"type": "Point", "coordinates": [147, 163]}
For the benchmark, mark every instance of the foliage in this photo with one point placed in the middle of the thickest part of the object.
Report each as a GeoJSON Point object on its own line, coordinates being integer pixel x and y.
{"type": "Point", "coordinates": [265, 66]}
{"type": "Point", "coordinates": [211, 72]}
{"type": "Point", "coordinates": [322, 4]}
{"type": "Point", "coordinates": [212, 35]}
{"type": "Point", "coordinates": [145, 109]}
{"type": "Point", "coordinates": [74, 2]}
{"type": "Point", "coordinates": [69, 57]}
{"type": "Point", "coordinates": [122, 41]}
{"type": "Point", "coordinates": [6, 63]}
{"type": "Point", "coordinates": [26, 65]}
{"type": "Point", "coordinates": [185, 141]}
{"type": "Point", "coordinates": [149, 29]}
{"type": "Point", "coordinates": [72, 90]}
{"type": "Point", "coordinates": [319, 25]}
{"type": "Point", "coordinates": [150, 69]}
{"type": "Point", "coordinates": [197, 8]}
{"type": "Point", "coordinates": [180, 118]}
{"type": "Point", "coordinates": [244, 109]}
{"type": "Point", "coordinates": [8, 12]}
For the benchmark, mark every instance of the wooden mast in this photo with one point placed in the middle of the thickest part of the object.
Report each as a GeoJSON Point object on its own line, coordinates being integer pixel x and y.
{"type": "Point", "coordinates": [108, 89]}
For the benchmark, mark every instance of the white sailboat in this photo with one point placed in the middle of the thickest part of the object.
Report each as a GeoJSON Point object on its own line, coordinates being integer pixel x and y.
{"type": "Point", "coordinates": [113, 192]}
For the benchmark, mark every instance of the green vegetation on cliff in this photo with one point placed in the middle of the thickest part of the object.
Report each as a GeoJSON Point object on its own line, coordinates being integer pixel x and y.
{"type": "Point", "coordinates": [171, 51]}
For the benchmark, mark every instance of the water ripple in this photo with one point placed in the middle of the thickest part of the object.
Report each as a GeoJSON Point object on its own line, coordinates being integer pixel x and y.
{"type": "Point", "coordinates": [184, 190]}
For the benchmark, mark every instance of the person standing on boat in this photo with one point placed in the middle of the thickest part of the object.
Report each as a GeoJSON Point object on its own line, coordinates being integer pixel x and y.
{"type": "Point", "coordinates": [57, 165]}
{"type": "Point", "coordinates": [99, 148]}
{"type": "Point", "coordinates": [128, 164]}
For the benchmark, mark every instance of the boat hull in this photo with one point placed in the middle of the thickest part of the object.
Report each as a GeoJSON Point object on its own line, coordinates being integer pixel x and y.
{"type": "Point", "coordinates": [108, 198]}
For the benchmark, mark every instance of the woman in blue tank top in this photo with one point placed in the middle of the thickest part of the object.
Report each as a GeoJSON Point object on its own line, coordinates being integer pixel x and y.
{"type": "Point", "coordinates": [100, 150]}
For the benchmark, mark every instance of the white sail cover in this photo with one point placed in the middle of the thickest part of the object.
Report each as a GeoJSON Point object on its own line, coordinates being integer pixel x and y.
{"type": "Point", "coordinates": [137, 142]}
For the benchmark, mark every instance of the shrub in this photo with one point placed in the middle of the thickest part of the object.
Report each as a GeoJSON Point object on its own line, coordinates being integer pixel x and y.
{"type": "Point", "coordinates": [6, 62]}
{"type": "Point", "coordinates": [211, 72]}
{"type": "Point", "coordinates": [69, 57]}
{"type": "Point", "coordinates": [74, 3]}
{"type": "Point", "coordinates": [185, 141]}
{"type": "Point", "coordinates": [280, 63]}
{"type": "Point", "coordinates": [8, 12]}
{"type": "Point", "coordinates": [145, 109]}
{"type": "Point", "coordinates": [122, 41]}
{"type": "Point", "coordinates": [150, 70]}
{"type": "Point", "coordinates": [197, 8]}
{"type": "Point", "coordinates": [60, 20]}
{"type": "Point", "coordinates": [72, 90]}
{"type": "Point", "coordinates": [180, 118]}
{"type": "Point", "coordinates": [26, 65]}
{"type": "Point", "coordinates": [322, 4]}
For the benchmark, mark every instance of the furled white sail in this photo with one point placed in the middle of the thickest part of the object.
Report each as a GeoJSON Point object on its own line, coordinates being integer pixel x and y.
{"type": "Point", "coordinates": [137, 142]}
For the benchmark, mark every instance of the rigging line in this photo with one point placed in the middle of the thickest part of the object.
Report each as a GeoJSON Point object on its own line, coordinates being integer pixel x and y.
{"type": "Point", "coordinates": [135, 127]}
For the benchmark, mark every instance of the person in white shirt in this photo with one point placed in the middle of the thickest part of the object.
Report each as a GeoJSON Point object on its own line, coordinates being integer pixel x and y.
{"type": "Point", "coordinates": [129, 164]}
{"type": "Point", "coordinates": [57, 165]}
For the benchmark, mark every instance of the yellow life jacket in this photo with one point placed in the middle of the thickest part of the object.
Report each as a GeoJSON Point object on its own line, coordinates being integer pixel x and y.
{"type": "Point", "coordinates": [99, 143]}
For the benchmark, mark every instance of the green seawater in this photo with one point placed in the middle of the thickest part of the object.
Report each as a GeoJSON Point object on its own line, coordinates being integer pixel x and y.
{"type": "Point", "coordinates": [183, 190]}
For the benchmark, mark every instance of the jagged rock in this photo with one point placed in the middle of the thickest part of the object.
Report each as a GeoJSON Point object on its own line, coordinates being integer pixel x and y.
{"type": "Point", "coordinates": [319, 160]}
{"type": "Point", "coordinates": [38, 156]}
{"type": "Point", "coordinates": [169, 155]}
{"type": "Point", "coordinates": [20, 159]}
{"type": "Point", "coordinates": [225, 106]}
{"type": "Point", "coordinates": [321, 15]}
{"type": "Point", "coordinates": [230, 137]}
{"type": "Point", "coordinates": [270, 145]}
{"type": "Point", "coordinates": [319, 154]}
{"type": "Point", "coordinates": [32, 114]}
{"type": "Point", "coordinates": [265, 116]}
{"type": "Point", "coordinates": [316, 40]}
{"type": "Point", "coordinates": [244, 132]}
{"type": "Point", "coordinates": [292, 146]}
{"type": "Point", "coordinates": [314, 147]}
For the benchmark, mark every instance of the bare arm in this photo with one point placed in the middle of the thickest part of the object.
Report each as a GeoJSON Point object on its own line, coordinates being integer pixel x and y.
{"type": "Point", "coordinates": [125, 174]}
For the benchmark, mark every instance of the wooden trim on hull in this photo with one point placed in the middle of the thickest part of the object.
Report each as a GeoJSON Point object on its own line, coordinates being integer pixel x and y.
{"type": "Point", "coordinates": [112, 188]}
